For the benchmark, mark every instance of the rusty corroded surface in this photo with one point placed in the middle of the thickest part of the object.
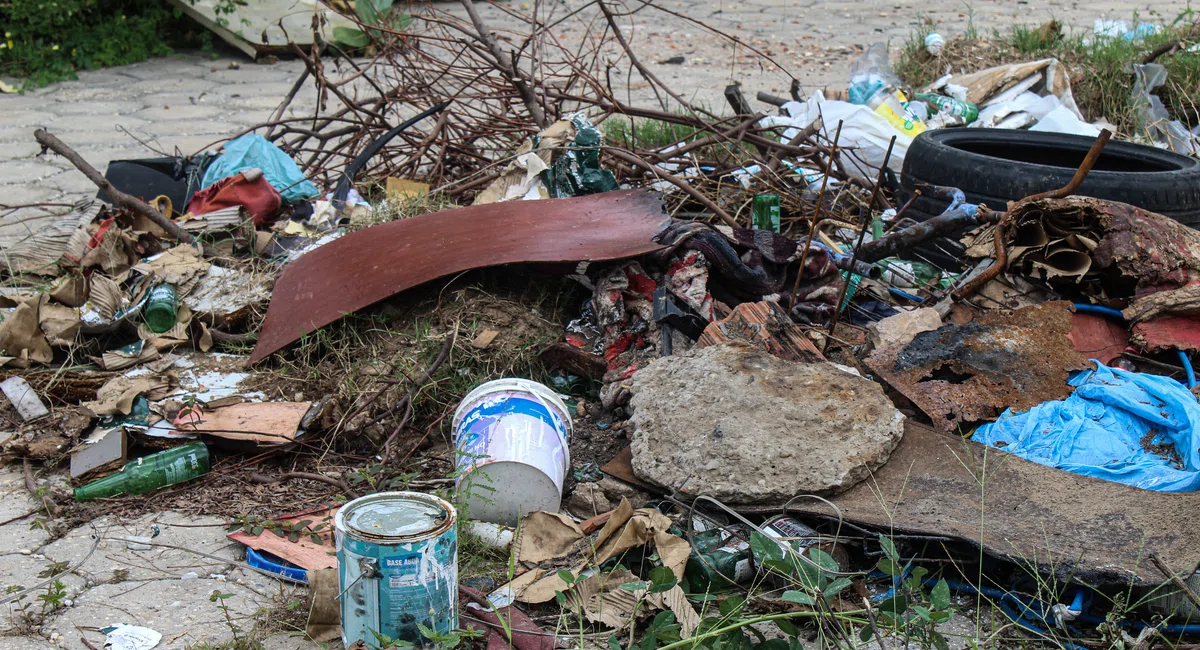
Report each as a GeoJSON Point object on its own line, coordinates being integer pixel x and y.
{"type": "Point", "coordinates": [963, 374]}
{"type": "Point", "coordinates": [369, 265]}
{"type": "Point", "coordinates": [1071, 526]}
{"type": "Point", "coordinates": [1133, 252]}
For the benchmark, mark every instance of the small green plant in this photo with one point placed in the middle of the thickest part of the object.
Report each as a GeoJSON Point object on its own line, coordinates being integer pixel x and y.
{"type": "Point", "coordinates": [52, 599]}
{"type": "Point", "coordinates": [219, 598]}
{"type": "Point", "coordinates": [908, 612]}
{"type": "Point", "coordinates": [380, 13]}
{"type": "Point", "coordinates": [55, 568]}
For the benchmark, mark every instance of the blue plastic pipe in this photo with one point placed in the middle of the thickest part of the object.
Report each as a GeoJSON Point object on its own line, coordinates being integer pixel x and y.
{"type": "Point", "coordinates": [1187, 368]}
{"type": "Point", "coordinates": [1099, 310]}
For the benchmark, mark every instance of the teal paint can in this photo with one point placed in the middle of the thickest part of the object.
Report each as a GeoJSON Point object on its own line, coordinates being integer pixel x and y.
{"type": "Point", "coordinates": [397, 558]}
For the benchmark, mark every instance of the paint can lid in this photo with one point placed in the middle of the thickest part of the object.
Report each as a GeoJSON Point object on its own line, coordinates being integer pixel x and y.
{"type": "Point", "coordinates": [394, 514]}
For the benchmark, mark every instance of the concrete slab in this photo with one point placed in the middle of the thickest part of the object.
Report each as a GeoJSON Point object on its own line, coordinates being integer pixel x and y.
{"type": "Point", "coordinates": [114, 560]}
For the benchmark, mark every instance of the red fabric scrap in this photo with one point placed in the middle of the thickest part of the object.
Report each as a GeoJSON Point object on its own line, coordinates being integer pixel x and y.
{"type": "Point", "coordinates": [258, 197]}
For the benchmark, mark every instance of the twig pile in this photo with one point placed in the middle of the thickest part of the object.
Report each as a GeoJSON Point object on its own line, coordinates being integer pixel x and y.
{"type": "Point", "coordinates": [506, 87]}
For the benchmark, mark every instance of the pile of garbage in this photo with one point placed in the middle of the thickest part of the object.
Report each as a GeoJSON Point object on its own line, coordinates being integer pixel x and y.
{"type": "Point", "coordinates": [766, 394]}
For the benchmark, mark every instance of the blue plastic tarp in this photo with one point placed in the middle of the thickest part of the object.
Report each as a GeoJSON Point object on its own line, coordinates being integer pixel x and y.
{"type": "Point", "coordinates": [253, 151]}
{"type": "Point", "coordinates": [1119, 426]}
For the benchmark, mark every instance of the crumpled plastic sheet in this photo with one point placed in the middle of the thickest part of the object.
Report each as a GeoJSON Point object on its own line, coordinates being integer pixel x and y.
{"type": "Point", "coordinates": [1120, 426]}
{"type": "Point", "coordinates": [252, 151]}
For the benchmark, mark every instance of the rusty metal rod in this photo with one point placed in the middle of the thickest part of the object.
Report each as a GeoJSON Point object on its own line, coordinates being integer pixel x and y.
{"type": "Point", "coordinates": [865, 216]}
{"type": "Point", "coordinates": [1089, 161]}
{"type": "Point", "coordinates": [816, 218]}
{"type": "Point", "coordinates": [976, 283]}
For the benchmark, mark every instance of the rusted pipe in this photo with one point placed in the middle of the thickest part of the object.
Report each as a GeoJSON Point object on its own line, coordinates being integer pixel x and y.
{"type": "Point", "coordinates": [1089, 161]}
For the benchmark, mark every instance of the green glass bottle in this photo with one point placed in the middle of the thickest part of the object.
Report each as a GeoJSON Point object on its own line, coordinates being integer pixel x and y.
{"type": "Point", "coordinates": [150, 472]}
{"type": "Point", "coordinates": [766, 212]}
{"type": "Point", "coordinates": [966, 110]}
{"type": "Point", "coordinates": [717, 559]}
{"type": "Point", "coordinates": [160, 308]}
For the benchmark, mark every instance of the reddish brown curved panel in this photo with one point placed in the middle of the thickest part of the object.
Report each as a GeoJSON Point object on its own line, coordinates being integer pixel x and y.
{"type": "Point", "coordinates": [369, 265]}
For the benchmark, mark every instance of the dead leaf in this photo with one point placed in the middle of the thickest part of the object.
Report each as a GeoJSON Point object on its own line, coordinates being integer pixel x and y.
{"type": "Point", "coordinates": [59, 324]}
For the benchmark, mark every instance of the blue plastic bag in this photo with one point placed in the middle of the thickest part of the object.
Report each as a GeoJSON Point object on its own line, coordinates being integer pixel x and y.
{"type": "Point", "coordinates": [1127, 427]}
{"type": "Point", "coordinates": [253, 151]}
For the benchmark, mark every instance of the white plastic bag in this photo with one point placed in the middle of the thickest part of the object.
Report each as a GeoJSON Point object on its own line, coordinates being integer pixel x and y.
{"type": "Point", "coordinates": [863, 130]}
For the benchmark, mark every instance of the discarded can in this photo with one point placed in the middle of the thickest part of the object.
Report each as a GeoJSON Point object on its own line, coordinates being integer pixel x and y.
{"type": "Point", "coordinates": [397, 558]}
{"type": "Point", "coordinates": [766, 212]}
{"type": "Point", "coordinates": [802, 539]}
{"type": "Point", "coordinates": [160, 308]}
{"type": "Point", "coordinates": [511, 439]}
{"type": "Point", "coordinates": [719, 559]}
{"type": "Point", "coordinates": [140, 476]}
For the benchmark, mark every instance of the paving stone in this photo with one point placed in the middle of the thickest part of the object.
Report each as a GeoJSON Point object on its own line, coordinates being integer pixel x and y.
{"type": "Point", "coordinates": [24, 171]}
{"type": "Point", "coordinates": [107, 108]}
{"type": "Point", "coordinates": [181, 610]}
{"type": "Point", "coordinates": [73, 182]}
{"type": "Point", "coordinates": [25, 643]}
{"type": "Point", "coordinates": [179, 114]}
{"type": "Point", "coordinates": [113, 559]}
{"type": "Point", "coordinates": [24, 194]}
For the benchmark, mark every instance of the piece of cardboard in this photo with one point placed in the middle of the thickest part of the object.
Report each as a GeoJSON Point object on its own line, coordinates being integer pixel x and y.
{"type": "Point", "coordinates": [406, 189]}
{"type": "Point", "coordinates": [304, 553]}
{"type": "Point", "coordinates": [259, 422]}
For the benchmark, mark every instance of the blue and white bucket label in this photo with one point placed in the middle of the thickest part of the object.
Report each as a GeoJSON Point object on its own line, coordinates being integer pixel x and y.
{"type": "Point", "coordinates": [511, 426]}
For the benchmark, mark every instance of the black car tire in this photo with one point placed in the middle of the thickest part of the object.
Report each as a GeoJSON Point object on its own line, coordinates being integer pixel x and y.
{"type": "Point", "coordinates": [994, 166]}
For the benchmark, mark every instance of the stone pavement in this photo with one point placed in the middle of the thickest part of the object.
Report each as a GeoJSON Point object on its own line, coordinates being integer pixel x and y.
{"type": "Point", "coordinates": [165, 586]}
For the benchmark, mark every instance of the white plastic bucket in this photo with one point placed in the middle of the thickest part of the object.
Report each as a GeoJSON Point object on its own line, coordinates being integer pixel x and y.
{"type": "Point", "coordinates": [511, 436]}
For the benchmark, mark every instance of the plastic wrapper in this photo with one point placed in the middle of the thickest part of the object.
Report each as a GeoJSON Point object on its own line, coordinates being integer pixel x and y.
{"type": "Point", "coordinates": [1155, 121]}
{"type": "Point", "coordinates": [1127, 427]}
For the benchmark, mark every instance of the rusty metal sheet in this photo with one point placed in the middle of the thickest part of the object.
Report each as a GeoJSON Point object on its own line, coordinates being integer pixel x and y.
{"type": "Point", "coordinates": [372, 264]}
{"type": "Point", "coordinates": [965, 374]}
{"type": "Point", "coordinates": [1067, 525]}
